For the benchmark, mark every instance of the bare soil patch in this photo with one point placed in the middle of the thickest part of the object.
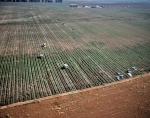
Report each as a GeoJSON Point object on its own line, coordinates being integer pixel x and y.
{"type": "Point", "coordinates": [128, 98]}
{"type": "Point", "coordinates": [16, 20]}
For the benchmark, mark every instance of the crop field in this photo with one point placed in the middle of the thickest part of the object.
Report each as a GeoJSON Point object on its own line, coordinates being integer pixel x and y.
{"type": "Point", "coordinates": [94, 43]}
{"type": "Point", "coordinates": [128, 98]}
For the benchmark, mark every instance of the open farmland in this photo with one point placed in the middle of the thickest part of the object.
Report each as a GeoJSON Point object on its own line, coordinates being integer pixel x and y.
{"type": "Point", "coordinates": [95, 43]}
{"type": "Point", "coordinates": [128, 98]}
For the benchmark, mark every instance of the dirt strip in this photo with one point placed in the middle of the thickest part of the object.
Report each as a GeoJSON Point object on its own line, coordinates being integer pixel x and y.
{"type": "Point", "coordinates": [129, 98]}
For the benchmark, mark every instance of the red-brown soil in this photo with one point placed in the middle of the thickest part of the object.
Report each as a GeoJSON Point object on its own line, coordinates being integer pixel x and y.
{"type": "Point", "coordinates": [128, 98]}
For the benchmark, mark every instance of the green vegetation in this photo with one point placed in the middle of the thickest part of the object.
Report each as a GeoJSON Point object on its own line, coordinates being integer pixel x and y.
{"type": "Point", "coordinates": [95, 43]}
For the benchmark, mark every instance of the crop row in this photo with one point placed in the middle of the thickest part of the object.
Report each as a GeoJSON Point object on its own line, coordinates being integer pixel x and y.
{"type": "Point", "coordinates": [25, 76]}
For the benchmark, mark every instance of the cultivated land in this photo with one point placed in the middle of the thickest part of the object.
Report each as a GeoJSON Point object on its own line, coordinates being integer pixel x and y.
{"type": "Point", "coordinates": [95, 43]}
{"type": "Point", "coordinates": [128, 98]}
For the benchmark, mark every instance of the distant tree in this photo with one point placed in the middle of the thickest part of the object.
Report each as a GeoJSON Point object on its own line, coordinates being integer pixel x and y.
{"type": "Point", "coordinates": [58, 1]}
{"type": "Point", "coordinates": [50, 0]}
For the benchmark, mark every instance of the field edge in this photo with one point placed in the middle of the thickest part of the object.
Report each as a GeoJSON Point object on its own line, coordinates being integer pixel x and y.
{"type": "Point", "coordinates": [73, 92]}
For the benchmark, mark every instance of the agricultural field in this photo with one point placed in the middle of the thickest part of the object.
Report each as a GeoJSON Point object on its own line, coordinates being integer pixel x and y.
{"type": "Point", "coordinates": [128, 98]}
{"type": "Point", "coordinates": [94, 43]}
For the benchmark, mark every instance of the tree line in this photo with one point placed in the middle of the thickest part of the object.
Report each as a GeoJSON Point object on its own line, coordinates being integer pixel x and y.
{"type": "Point", "coordinates": [31, 1]}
